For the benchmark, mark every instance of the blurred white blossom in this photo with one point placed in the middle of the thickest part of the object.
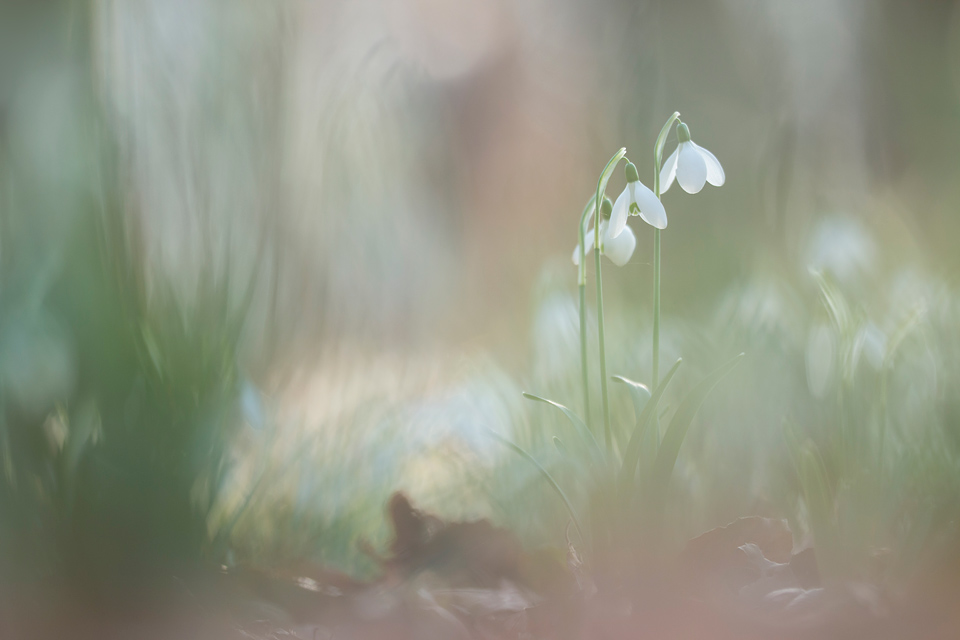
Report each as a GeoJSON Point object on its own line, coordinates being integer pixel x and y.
{"type": "Point", "coordinates": [619, 249]}
{"type": "Point", "coordinates": [841, 246]}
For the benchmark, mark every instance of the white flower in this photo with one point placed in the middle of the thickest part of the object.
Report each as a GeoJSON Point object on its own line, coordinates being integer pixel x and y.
{"type": "Point", "coordinates": [691, 165]}
{"type": "Point", "coordinates": [842, 246]}
{"type": "Point", "coordinates": [636, 200]}
{"type": "Point", "coordinates": [618, 248]}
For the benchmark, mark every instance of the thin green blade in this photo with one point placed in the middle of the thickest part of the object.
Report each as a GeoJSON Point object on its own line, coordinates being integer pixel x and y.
{"type": "Point", "coordinates": [679, 425]}
{"type": "Point", "coordinates": [546, 474]}
{"type": "Point", "coordinates": [632, 455]}
{"type": "Point", "coordinates": [578, 424]}
{"type": "Point", "coordinates": [639, 393]}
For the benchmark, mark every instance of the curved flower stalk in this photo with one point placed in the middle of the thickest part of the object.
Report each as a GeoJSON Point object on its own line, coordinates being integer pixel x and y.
{"type": "Point", "coordinates": [636, 200]}
{"type": "Point", "coordinates": [691, 165]}
{"type": "Point", "coordinates": [657, 155]}
{"type": "Point", "coordinates": [601, 201]}
{"type": "Point", "coordinates": [602, 212]}
{"type": "Point", "coordinates": [619, 250]}
{"type": "Point", "coordinates": [580, 261]}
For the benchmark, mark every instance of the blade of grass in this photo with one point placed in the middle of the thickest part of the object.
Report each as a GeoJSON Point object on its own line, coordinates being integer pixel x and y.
{"type": "Point", "coordinates": [901, 333]}
{"type": "Point", "coordinates": [835, 303]}
{"type": "Point", "coordinates": [677, 432]}
{"type": "Point", "coordinates": [818, 498]}
{"type": "Point", "coordinates": [893, 346]}
{"type": "Point", "coordinates": [601, 190]}
{"type": "Point", "coordinates": [632, 455]}
{"type": "Point", "coordinates": [546, 474]}
{"type": "Point", "coordinates": [639, 393]}
{"type": "Point", "coordinates": [585, 434]}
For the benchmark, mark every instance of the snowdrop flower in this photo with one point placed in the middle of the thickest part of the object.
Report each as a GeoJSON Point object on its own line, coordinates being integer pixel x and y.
{"type": "Point", "coordinates": [618, 248]}
{"type": "Point", "coordinates": [691, 165]}
{"type": "Point", "coordinates": [842, 246]}
{"type": "Point", "coordinates": [636, 200]}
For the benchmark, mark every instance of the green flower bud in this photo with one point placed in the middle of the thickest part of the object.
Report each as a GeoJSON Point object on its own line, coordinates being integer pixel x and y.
{"type": "Point", "coordinates": [631, 172]}
{"type": "Point", "coordinates": [606, 208]}
{"type": "Point", "coordinates": [683, 132]}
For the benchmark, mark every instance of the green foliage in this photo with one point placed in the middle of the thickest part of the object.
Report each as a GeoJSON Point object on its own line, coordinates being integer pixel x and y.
{"type": "Point", "coordinates": [869, 481]}
{"type": "Point", "coordinates": [646, 419]}
{"type": "Point", "coordinates": [620, 499]}
{"type": "Point", "coordinates": [118, 466]}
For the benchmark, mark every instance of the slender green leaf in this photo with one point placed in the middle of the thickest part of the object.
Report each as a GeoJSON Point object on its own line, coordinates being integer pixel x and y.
{"type": "Point", "coordinates": [835, 303]}
{"type": "Point", "coordinates": [903, 330]}
{"type": "Point", "coordinates": [677, 431]}
{"type": "Point", "coordinates": [546, 474]}
{"type": "Point", "coordinates": [632, 455]}
{"type": "Point", "coordinates": [819, 500]}
{"type": "Point", "coordinates": [562, 448]}
{"type": "Point", "coordinates": [83, 426]}
{"type": "Point", "coordinates": [639, 393]}
{"type": "Point", "coordinates": [577, 423]}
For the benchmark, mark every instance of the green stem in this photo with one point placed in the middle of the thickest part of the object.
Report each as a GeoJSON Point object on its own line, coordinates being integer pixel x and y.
{"type": "Point", "coordinates": [657, 158]}
{"type": "Point", "coordinates": [583, 353]}
{"type": "Point", "coordinates": [883, 420]}
{"type": "Point", "coordinates": [655, 377]}
{"type": "Point", "coordinates": [608, 436]}
{"type": "Point", "coordinates": [597, 240]}
{"type": "Point", "coordinates": [582, 286]}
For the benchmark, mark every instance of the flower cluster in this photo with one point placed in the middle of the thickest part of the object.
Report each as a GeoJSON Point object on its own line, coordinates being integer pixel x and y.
{"type": "Point", "coordinates": [690, 165]}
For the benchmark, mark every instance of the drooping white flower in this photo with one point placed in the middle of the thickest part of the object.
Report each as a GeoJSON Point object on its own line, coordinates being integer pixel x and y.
{"type": "Point", "coordinates": [636, 200]}
{"type": "Point", "coordinates": [691, 165]}
{"type": "Point", "coordinates": [618, 248]}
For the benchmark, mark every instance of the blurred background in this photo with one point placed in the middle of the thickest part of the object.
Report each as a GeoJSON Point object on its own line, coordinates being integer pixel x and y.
{"type": "Point", "coordinates": [262, 263]}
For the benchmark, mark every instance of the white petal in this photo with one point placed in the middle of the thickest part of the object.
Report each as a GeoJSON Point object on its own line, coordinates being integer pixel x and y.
{"type": "Point", "coordinates": [691, 168]}
{"type": "Point", "coordinates": [651, 209]}
{"type": "Point", "coordinates": [715, 174]}
{"type": "Point", "coordinates": [620, 249]}
{"type": "Point", "coordinates": [618, 218]}
{"type": "Point", "coordinates": [588, 240]}
{"type": "Point", "coordinates": [668, 172]}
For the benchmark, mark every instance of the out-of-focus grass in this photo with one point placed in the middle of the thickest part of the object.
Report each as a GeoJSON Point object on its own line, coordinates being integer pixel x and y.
{"type": "Point", "coordinates": [118, 407]}
{"type": "Point", "coordinates": [132, 439]}
{"type": "Point", "coordinates": [841, 419]}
